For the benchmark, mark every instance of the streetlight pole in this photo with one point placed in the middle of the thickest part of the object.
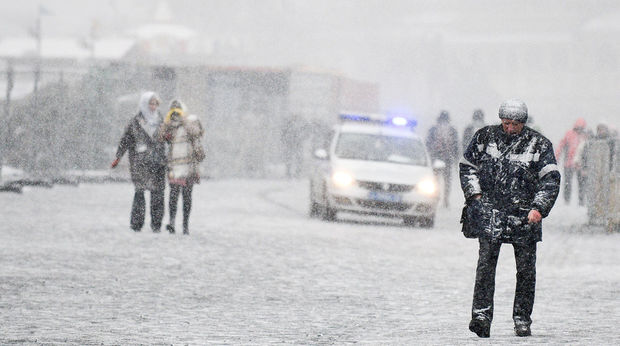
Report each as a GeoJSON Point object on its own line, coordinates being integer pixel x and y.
{"type": "Point", "coordinates": [5, 134]}
{"type": "Point", "coordinates": [37, 33]}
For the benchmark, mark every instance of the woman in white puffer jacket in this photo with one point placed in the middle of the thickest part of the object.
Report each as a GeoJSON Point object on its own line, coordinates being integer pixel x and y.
{"type": "Point", "coordinates": [185, 152]}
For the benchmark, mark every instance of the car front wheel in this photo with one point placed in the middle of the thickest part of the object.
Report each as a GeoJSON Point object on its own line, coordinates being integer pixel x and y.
{"type": "Point", "coordinates": [329, 214]}
{"type": "Point", "coordinates": [315, 208]}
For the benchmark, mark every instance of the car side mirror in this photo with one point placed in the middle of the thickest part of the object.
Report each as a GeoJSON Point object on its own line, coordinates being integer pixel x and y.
{"type": "Point", "coordinates": [321, 154]}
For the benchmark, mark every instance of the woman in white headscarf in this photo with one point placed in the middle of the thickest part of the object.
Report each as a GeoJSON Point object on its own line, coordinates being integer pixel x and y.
{"type": "Point", "coordinates": [147, 161]}
{"type": "Point", "coordinates": [185, 152]}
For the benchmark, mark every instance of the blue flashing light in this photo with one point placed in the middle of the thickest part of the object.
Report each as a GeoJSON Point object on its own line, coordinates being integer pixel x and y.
{"type": "Point", "coordinates": [403, 122]}
{"type": "Point", "coordinates": [399, 121]}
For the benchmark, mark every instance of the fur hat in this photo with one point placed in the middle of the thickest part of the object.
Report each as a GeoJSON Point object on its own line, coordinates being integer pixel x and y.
{"type": "Point", "coordinates": [513, 109]}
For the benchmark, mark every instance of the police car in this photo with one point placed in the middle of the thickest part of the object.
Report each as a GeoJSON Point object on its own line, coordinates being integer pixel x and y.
{"type": "Point", "coordinates": [374, 165]}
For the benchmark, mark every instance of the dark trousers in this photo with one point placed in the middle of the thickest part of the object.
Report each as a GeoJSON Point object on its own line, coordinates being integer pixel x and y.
{"type": "Point", "coordinates": [138, 209]}
{"type": "Point", "coordinates": [525, 258]}
{"type": "Point", "coordinates": [568, 183]}
{"type": "Point", "coordinates": [175, 190]}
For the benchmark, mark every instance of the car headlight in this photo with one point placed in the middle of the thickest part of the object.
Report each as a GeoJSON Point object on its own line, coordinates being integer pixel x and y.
{"type": "Point", "coordinates": [342, 179]}
{"type": "Point", "coordinates": [427, 186]}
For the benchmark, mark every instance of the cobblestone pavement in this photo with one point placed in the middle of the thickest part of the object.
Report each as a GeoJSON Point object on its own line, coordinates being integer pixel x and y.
{"type": "Point", "coordinates": [257, 270]}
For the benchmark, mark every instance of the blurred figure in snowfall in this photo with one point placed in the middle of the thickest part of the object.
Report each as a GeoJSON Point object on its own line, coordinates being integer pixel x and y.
{"type": "Point", "coordinates": [147, 161]}
{"type": "Point", "coordinates": [292, 135]}
{"type": "Point", "coordinates": [477, 122]}
{"type": "Point", "coordinates": [598, 158]}
{"type": "Point", "coordinates": [510, 180]}
{"type": "Point", "coordinates": [442, 143]}
{"type": "Point", "coordinates": [569, 145]}
{"type": "Point", "coordinates": [185, 152]}
{"type": "Point", "coordinates": [602, 135]}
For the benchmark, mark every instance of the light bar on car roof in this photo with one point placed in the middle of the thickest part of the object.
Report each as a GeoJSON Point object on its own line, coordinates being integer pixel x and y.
{"type": "Point", "coordinates": [355, 117]}
{"type": "Point", "coordinates": [398, 121]}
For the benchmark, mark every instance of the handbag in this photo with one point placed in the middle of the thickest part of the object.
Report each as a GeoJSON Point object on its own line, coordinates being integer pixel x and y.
{"type": "Point", "coordinates": [198, 152]}
{"type": "Point", "coordinates": [469, 230]}
{"type": "Point", "coordinates": [477, 219]}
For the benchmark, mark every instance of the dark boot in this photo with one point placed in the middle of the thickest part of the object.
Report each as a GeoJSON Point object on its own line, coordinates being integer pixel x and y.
{"type": "Point", "coordinates": [480, 326]}
{"type": "Point", "coordinates": [522, 329]}
{"type": "Point", "coordinates": [170, 228]}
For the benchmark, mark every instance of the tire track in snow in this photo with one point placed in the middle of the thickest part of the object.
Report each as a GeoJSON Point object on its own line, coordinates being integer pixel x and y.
{"type": "Point", "coordinates": [269, 196]}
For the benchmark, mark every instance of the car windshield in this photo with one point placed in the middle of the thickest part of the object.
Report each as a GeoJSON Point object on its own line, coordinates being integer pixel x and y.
{"type": "Point", "coordinates": [361, 146]}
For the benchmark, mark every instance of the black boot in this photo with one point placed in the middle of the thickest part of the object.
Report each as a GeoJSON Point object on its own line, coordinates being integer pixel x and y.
{"type": "Point", "coordinates": [480, 326]}
{"type": "Point", "coordinates": [522, 330]}
{"type": "Point", "coordinates": [170, 228]}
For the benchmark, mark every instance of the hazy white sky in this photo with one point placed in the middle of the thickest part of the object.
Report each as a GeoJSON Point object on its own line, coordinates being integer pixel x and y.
{"type": "Point", "coordinates": [363, 39]}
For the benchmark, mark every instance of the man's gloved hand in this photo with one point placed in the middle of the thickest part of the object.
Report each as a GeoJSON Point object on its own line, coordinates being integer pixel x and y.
{"type": "Point", "coordinates": [114, 163]}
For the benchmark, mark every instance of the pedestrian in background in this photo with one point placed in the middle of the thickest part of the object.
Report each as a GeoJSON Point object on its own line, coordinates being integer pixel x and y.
{"type": "Point", "coordinates": [566, 152]}
{"type": "Point", "coordinates": [510, 180]}
{"type": "Point", "coordinates": [477, 122]}
{"type": "Point", "coordinates": [602, 135]}
{"type": "Point", "coordinates": [442, 143]}
{"type": "Point", "coordinates": [598, 158]}
{"type": "Point", "coordinates": [293, 135]}
{"type": "Point", "coordinates": [147, 161]}
{"type": "Point", "coordinates": [182, 132]}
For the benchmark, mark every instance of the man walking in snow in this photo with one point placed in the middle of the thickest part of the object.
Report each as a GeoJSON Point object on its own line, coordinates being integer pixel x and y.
{"type": "Point", "coordinates": [510, 180]}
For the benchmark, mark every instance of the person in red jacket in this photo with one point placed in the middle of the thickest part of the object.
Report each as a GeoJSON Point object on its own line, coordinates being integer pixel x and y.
{"type": "Point", "coordinates": [568, 147]}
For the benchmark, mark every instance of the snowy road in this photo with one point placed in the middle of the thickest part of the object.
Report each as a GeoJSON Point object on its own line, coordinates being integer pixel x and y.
{"type": "Point", "coordinates": [256, 270]}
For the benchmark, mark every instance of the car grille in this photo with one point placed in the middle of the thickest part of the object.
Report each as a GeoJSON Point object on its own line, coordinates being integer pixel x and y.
{"type": "Point", "coordinates": [394, 206]}
{"type": "Point", "coordinates": [374, 186]}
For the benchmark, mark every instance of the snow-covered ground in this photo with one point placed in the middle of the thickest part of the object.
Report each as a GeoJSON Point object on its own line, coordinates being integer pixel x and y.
{"type": "Point", "coordinates": [257, 270]}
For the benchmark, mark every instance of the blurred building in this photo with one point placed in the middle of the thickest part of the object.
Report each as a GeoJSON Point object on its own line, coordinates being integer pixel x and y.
{"type": "Point", "coordinates": [99, 81]}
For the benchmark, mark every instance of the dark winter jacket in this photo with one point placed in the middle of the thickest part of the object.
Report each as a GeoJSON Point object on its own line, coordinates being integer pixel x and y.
{"type": "Point", "coordinates": [514, 174]}
{"type": "Point", "coordinates": [147, 155]}
{"type": "Point", "coordinates": [442, 143]}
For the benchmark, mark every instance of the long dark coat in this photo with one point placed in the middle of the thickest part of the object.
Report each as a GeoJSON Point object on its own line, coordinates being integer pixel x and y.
{"type": "Point", "coordinates": [147, 155]}
{"type": "Point", "coordinates": [514, 174]}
